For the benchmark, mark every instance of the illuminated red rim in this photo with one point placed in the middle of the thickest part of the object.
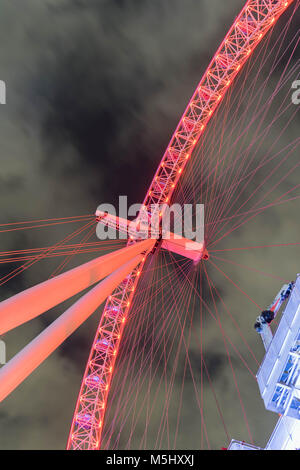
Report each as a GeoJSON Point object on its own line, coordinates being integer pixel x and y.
{"type": "Point", "coordinates": [247, 31]}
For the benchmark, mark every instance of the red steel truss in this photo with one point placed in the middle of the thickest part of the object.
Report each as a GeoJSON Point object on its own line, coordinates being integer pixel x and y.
{"type": "Point", "coordinates": [254, 21]}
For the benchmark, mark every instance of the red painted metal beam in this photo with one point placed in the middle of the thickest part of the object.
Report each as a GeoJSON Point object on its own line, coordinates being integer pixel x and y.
{"type": "Point", "coordinates": [30, 357]}
{"type": "Point", "coordinates": [38, 299]}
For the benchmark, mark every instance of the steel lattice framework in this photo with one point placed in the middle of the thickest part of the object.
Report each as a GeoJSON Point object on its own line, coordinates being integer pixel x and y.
{"type": "Point", "coordinates": [254, 21]}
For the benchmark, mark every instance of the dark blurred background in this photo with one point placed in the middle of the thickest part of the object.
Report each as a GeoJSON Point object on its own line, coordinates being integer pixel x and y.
{"type": "Point", "coordinates": [95, 89]}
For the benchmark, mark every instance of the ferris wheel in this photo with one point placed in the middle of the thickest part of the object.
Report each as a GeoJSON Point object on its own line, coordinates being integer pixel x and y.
{"type": "Point", "coordinates": [156, 290]}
